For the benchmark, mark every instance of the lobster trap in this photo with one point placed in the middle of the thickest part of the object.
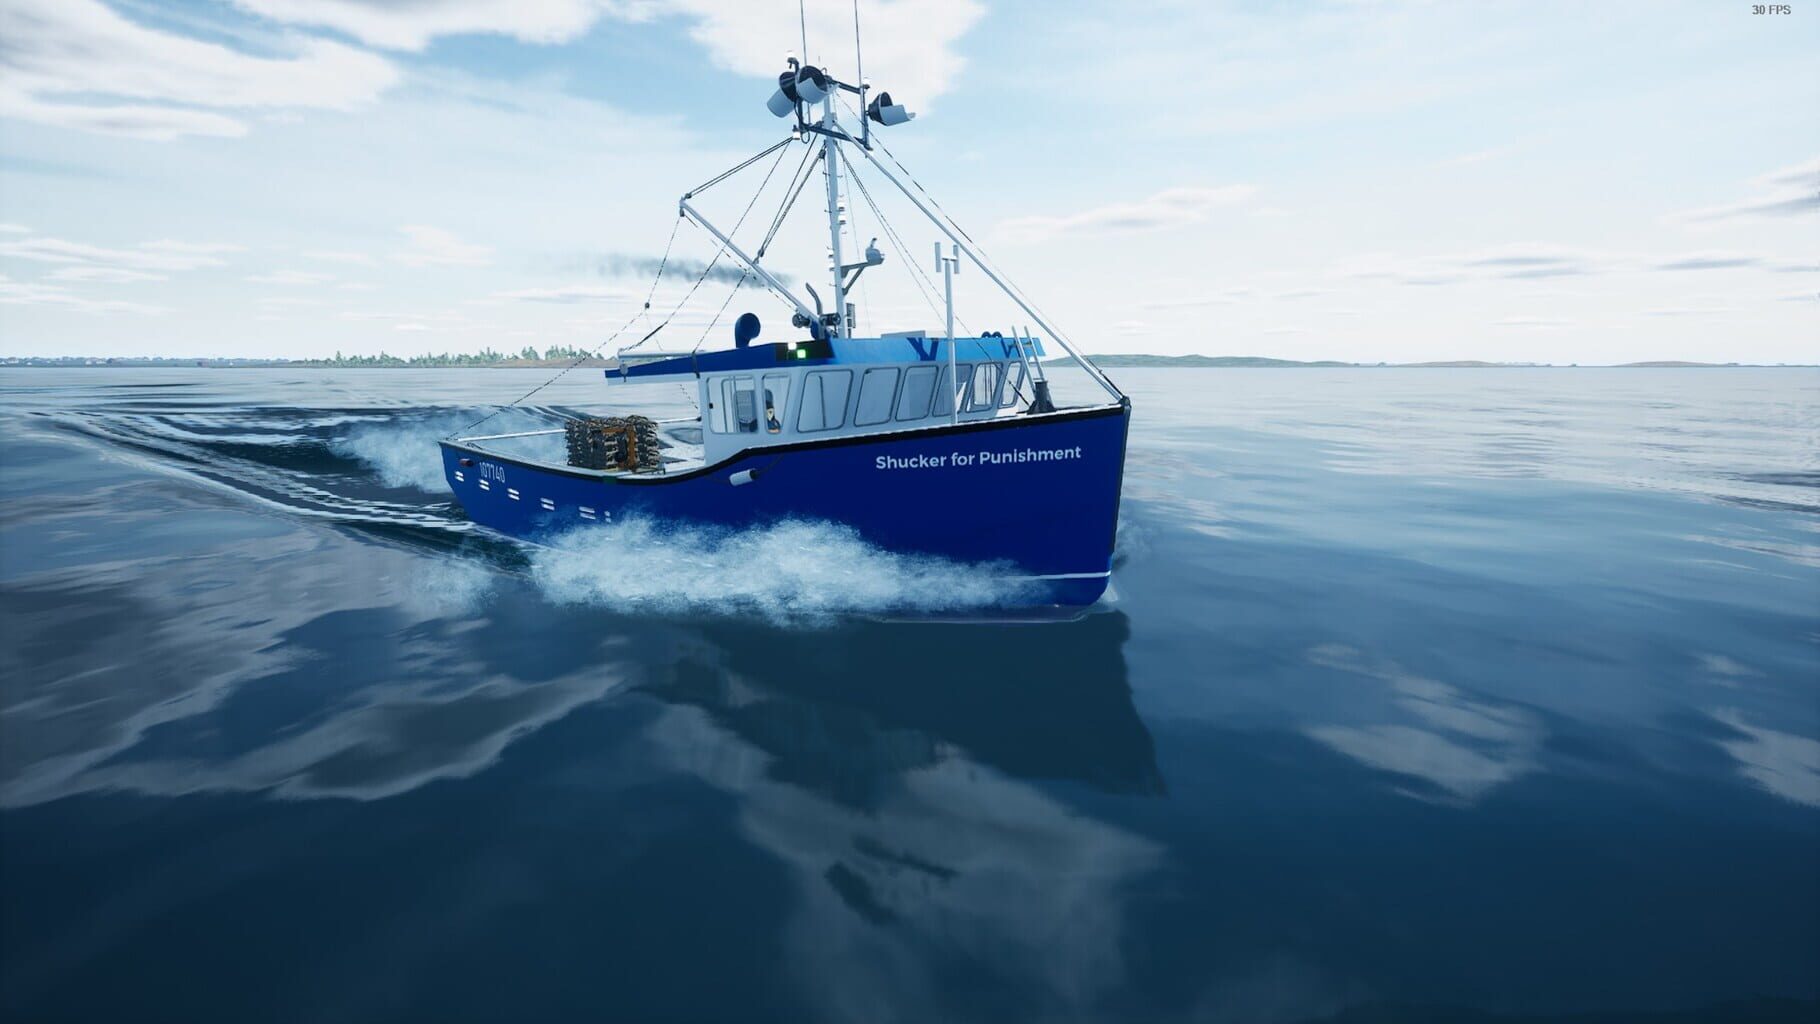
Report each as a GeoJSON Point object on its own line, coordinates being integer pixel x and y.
{"type": "Point", "coordinates": [627, 443]}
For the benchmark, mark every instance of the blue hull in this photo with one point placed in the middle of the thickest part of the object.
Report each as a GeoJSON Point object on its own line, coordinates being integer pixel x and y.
{"type": "Point", "coordinates": [1039, 493]}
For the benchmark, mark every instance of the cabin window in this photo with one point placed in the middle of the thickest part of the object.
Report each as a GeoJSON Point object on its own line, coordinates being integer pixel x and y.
{"type": "Point", "coordinates": [944, 391]}
{"type": "Point", "coordinates": [877, 388]}
{"type": "Point", "coordinates": [777, 398]}
{"type": "Point", "coordinates": [1014, 382]}
{"type": "Point", "coordinates": [984, 392]}
{"type": "Point", "coordinates": [741, 398]}
{"type": "Point", "coordinates": [717, 406]}
{"type": "Point", "coordinates": [824, 403]}
{"type": "Point", "coordinates": [919, 389]}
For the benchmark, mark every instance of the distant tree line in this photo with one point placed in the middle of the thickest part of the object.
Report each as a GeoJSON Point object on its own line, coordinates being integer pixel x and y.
{"type": "Point", "coordinates": [485, 357]}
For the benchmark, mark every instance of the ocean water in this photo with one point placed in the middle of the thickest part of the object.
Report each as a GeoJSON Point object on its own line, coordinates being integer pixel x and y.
{"type": "Point", "coordinates": [1427, 695]}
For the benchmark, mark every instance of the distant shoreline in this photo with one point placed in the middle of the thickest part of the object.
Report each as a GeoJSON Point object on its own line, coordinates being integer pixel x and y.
{"type": "Point", "coordinates": [483, 361]}
{"type": "Point", "coordinates": [1262, 362]}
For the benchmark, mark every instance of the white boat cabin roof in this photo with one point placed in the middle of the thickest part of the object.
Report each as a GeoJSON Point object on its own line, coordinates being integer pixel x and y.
{"type": "Point", "coordinates": [784, 392]}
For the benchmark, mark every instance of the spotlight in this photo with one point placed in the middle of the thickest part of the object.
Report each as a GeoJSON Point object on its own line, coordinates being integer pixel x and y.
{"type": "Point", "coordinates": [811, 84]}
{"type": "Point", "coordinates": [803, 85]}
{"type": "Point", "coordinates": [885, 112]}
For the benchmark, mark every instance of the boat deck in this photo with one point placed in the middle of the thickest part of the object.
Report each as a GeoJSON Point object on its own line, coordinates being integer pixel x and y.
{"type": "Point", "coordinates": [681, 439]}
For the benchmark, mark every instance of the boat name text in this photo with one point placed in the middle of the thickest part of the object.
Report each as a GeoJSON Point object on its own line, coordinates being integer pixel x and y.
{"type": "Point", "coordinates": [979, 458]}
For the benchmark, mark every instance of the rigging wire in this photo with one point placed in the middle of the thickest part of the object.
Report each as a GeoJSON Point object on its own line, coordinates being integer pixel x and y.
{"type": "Point", "coordinates": [865, 295]}
{"type": "Point", "coordinates": [797, 179]}
{"type": "Point", "coordinates": [742, 165]}
{"type": "Point", "coordinates": [897, 244]}
{"type": "Point", "coordinates": [643, 310]}
{"type": "Point", "coordinates": [662, 265]}
{"type": "Point", "coordinates": [979, 251]}
{"type": "Point", "coordinates": [721, 250]}
{"type": "Point", "coordinates": [722, 311]}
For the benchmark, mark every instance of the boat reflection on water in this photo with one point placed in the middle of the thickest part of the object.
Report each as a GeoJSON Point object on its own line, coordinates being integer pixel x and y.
{"type": "Point", "coordinates": [843, 712]}
{"type": "Point", "coordinates": [894, 770]}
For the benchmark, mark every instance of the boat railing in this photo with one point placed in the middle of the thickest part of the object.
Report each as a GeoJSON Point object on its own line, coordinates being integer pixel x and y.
{"type": "Point", "coordinates": [671, 422]}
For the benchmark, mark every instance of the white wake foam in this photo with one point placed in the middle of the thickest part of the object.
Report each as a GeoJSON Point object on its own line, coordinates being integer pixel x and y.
{"type": "Point", "coordinates": [789, 571]}
{"type": "Point", "coordinates": [403, 452]}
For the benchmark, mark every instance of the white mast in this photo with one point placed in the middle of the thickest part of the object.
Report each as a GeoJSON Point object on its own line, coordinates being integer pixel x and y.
{"type": "Point", "coordinates": [831, 159]}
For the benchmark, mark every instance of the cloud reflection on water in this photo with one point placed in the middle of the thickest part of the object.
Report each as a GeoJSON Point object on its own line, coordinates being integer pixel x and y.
{"type": "Point", "coordinates": [1462, 746]}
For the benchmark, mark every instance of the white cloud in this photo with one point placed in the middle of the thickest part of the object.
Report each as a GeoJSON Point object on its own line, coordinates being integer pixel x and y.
{"type": "Point", "coordinates": [909, 43]}
{"type": "Point", "coordinates": [1709, 261]}
{"type": "Point", "coordinates": [360, 259]}
{"type": "Point", "coordinates": [196, 248]}
{"type": "Point", "coordinates": [1783, 192]}
{"type": "Point", "coordinates": [1532, 261]}
{"type": "Point", "coordinates": [27, 293]}
{"type": "Point", "coordinates": [14, 229]}
{"type": "Point", "coordinates": [292, 278]}
{"type": "Point", "coordinates": [104, 275]}
{"type": "Point", "coordinates": [1678, 311]}
{"type": "Point", "coordinates": [1535, 261]}
{"type": "Point", "coordinates": [432, 246]}
{"type": "Point", "coordinates": [1533, 322]}
{"type": "Point", "coordinates": [1224, 297]}
{"type": "Point", "coordinates": [1478, 156]}
{"type": "Point", "coordinates": [412, 26]}
{"type": "Point", "coordinates": [160, 255]}
{"type": "Point", "coordinates": [1171, 207]}
{"type": "Point", "coordinates": [79, 64]}
{"type": "Point", "coordinates": [567, 294]}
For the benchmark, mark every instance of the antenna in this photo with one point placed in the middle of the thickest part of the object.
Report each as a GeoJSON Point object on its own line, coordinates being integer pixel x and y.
{"type": "Point", "coordinates": [802, 22]}
{"type": "Point", "coordinates": [859, 72]}
{"type": "Point", "coordinates": [949, 265]}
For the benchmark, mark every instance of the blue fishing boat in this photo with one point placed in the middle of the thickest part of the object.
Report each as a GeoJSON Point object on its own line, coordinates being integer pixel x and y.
{"type": "Point", "coordinates": [922, 442]}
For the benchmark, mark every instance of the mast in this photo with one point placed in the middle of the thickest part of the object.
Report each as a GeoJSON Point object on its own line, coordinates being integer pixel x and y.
{"type": "Point", "coordinates": [831, 163]}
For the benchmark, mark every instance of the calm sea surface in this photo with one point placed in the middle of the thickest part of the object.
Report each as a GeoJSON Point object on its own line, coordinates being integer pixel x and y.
{"type": "Point", "coordinates": [1427, 695]}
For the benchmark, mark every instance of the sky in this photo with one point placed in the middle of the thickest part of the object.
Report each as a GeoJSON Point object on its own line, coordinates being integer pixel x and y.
{"type": "Point", "coordinates": [1364, 181]}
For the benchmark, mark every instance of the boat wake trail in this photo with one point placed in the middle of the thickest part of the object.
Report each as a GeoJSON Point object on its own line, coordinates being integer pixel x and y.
{"type": "Point", "coordinates": [359, 467]}
{"type": "Point", "coordinates": [792, 571]}
{"type": "Point", "coordinates": [378, 472]}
